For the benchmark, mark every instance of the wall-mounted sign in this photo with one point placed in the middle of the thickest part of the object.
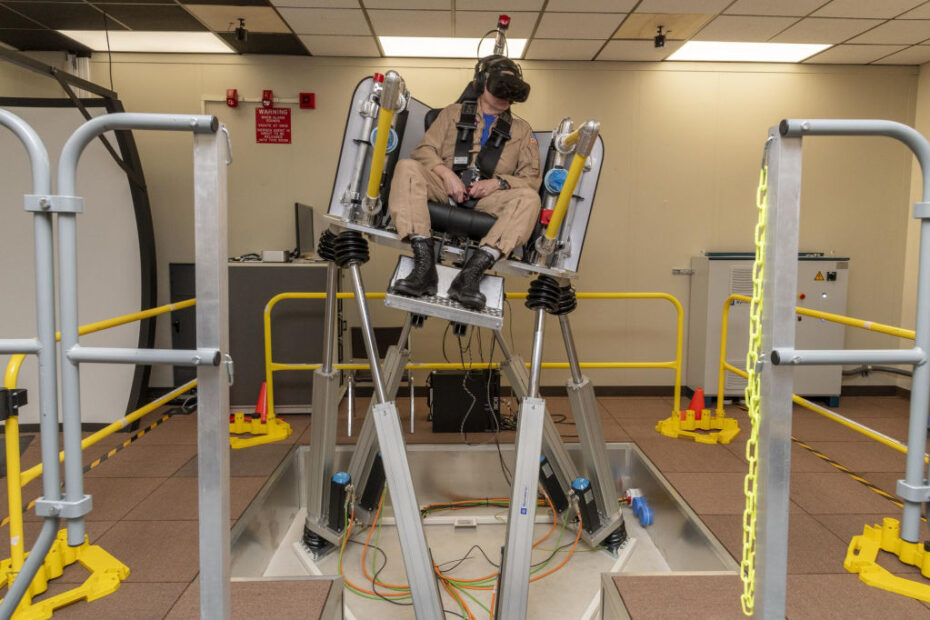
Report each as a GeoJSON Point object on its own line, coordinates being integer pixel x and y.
{"type": "Point", "coordinates": [273, 125]}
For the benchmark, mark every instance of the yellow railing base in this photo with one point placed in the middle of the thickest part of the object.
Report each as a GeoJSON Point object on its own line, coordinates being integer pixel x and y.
{"type": "Point", "coordinates": [274, 429]}
{"type": "Point", "coordinates": [711, 428]}
{"type": "Point", "coordinates": [863, 552]}
{"type": "Point", "coordinates": [106, 575]}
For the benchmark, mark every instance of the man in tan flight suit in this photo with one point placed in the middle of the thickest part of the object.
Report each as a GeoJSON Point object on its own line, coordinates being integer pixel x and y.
{"type": "Point", "coordinates": [511, 195]}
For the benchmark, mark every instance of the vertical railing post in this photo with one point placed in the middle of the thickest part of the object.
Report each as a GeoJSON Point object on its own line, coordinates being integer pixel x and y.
{"type": "Point", "coordinates": [777, 382]}
{"type": "Point", "coordinates": [213, 381]}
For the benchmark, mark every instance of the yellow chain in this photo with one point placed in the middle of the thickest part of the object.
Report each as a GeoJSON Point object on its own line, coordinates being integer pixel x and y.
{"type": "Point", "coordinates": [751, 484]}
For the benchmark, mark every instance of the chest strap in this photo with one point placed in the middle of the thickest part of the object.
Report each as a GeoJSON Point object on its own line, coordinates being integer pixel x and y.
{"type": "Point", "coordinates": [490, 153]}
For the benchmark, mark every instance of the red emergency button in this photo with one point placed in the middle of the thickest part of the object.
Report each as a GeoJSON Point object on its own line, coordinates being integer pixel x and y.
{"type": "Point", "coordinates": [802, 296]}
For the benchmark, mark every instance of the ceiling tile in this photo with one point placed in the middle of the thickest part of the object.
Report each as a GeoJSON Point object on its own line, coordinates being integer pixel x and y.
{"type": "Point", "coordinates": [326, 21]}
{"type": "Point", "coordinates": [742, 28]}
{"type": "Point", "coordinates": [591, 6]}
{"type": "Point", "coordinates": [899, 31]}
{"type": "Point", "coordinates": [153, 17]}
{"type": "Point", "coordinates": [41, 40]}
{"type": "Point", "coordinates": [790, 8]}
{"type": "Point", "coordinates": [429, 5]}
{"type": "Point", "coordinates": [265, 43]}
{"type": "Point", "coordinates": [64, 16]}
{"type": "Point", "coordinates": [10, 19]}
{"type": "Point", "coordinates": [320, 45]}
{"type": "Point", "coordinates": [130, 1]}
{"type": "Point", "coordinates": [315, 4]}
{"type": "Point", "coordinates": [646, 25]}
{"type": "Point", "coordinates": [637, 50]}
{"type": "Point", "coordinates": [853, 54]}
{"type": "Point", "coordinates": [563, 49]}
{"type": "Point", "coordinates": [411, 23]}
{"type": "Point", "coordinates": [578, 25]}
{"type": "Point", "coordinates": [825, 30]}
{"type": "Point", "coordinates": [232, 2]}
{"type": "Point", "coordinates": [867, 8]}
{"type": "Point", "coordinates": [682, 6]}
{"type": "Point", "coordinates": [917, 55]}
{"type": "Point", "coordinates": [226, 18]}
{"type": "Point", "coordinates": [477, 23]}
{"type": "Point", "coordinates": [921, 12]}
{"type": "Point", "coordinates": [498, 5]}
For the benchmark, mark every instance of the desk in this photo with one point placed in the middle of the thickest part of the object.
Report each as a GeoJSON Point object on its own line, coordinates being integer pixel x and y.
{"type": "Point", "coordinates": [297, 328]}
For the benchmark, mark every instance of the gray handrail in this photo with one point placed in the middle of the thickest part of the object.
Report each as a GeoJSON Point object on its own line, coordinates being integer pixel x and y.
{"type": "Point", "coordinates": [795, 128]}
{"type": "Point", "coordinates": [47, 356]}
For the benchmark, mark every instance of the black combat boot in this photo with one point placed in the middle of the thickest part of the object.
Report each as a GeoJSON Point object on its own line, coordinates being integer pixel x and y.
{"type": "Point", "coordinates": [423, 278]}
{"type": "Point", "coordinates": [465, 287]}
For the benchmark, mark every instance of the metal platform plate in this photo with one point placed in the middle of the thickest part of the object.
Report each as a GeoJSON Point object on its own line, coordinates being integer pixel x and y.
{"type": "Point", "coordinates": [440, 306]}
{"type": "Point", "coordinates": [266, 538]}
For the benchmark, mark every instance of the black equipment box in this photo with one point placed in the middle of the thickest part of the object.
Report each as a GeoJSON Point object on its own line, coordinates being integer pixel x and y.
{"type": "Point", "coordinates": [464, 400]}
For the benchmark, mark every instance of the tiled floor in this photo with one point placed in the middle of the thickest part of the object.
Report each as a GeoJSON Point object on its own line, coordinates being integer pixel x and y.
{"type": "Point", "coordinates": [145, 510]}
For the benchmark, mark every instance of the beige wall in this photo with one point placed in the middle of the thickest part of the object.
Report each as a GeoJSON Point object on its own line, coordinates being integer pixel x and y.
{"type": "Point", "coordinates": [683, 145]}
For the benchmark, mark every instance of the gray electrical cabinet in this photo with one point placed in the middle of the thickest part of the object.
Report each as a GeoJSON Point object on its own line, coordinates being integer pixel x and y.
{"type": "Point", "coordinates": [822, 285]}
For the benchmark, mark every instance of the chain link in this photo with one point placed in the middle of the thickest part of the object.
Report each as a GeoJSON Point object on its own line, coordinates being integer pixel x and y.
{"type": "Point", "coordinates": [751, 483]}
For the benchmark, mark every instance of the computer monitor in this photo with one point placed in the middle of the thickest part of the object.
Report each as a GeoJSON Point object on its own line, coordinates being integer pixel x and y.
{"type": "Point", "coordinates": [306, 242]}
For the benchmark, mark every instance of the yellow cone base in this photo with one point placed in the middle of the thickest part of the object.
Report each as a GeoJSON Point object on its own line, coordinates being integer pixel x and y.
{"type": "Point", "coordinates": [711, 428]}
{"type": "Point", "coordinates": [863, 552]}
{"type": "Point", "coordinates": [106, 575]}
{"type": "Point", "coordinates": [273, 430]}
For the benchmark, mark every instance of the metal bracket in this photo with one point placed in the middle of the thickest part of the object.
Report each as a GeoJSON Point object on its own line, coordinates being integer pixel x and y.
{"type": "Point", "coordinates": [922, 210]}
{"type": "Point", "coordinates": [230, 369]}
{"type": "Point", "coordinates": [919, 494]}
{"type": "Point", "coordinates": [53, 204]}
{"type": "Point", "coordinates": [64, 509]}
{"type": "Point", "coordinates": [11, 401]}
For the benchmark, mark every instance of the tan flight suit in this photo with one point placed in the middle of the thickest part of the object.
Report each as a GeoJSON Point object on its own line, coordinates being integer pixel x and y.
{"type": "Point", "coordinates": [516, 209]}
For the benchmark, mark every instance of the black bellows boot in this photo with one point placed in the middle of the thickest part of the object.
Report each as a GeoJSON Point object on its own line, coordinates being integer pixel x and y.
{"type": "Point", "coordinates": [423, 279]}
{"type": "Point", "coordinates": [465, 287]}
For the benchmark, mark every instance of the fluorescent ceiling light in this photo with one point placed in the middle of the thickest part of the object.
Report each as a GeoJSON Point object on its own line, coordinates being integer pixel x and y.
{"type": "Point", "coordinates": [446, 47]}
{"type": "Point", "coordinates": [141, 41]}
{"type": "Point", "coordinates": [746, 52]}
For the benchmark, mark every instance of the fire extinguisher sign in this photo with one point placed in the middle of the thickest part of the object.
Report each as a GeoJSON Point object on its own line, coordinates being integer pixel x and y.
{"type": "Point", "coordinates": [273, 125]}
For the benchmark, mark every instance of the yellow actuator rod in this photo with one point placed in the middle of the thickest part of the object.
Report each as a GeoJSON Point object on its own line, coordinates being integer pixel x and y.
{"type": "Point", "coordinates": [584, 138]}
{"type": "Point", "coordinates": [390, 101]}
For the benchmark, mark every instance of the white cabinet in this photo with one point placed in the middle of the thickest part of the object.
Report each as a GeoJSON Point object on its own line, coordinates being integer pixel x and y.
{"type": "Point", "coordinates": [822, 283]}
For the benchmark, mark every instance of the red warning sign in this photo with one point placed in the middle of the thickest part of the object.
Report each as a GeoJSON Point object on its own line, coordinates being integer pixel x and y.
{"type": "Point", "coordinates": [273, 125]}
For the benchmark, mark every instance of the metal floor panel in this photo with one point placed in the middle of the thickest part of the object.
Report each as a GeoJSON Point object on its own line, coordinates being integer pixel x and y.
{"type": "Point", "coordinates": [266, 537]}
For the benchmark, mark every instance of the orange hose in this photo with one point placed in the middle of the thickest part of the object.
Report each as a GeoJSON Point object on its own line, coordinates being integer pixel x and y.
{"type": "Point", "coordinates": [455, 596]}
{"type": "Point", "coordinates": [365, 552]}
{"type": "Point", "coordinates": [344, 542]}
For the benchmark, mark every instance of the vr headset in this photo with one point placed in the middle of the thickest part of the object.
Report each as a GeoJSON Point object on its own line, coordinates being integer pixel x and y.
{"type": "Point", "coordinates": [502, 78]}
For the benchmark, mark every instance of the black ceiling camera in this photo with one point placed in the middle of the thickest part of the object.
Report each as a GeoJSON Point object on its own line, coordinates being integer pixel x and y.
{"type": "Point", "coordinates": [241, 33]}
{"type": "Point", "coordinates": [659, 39]}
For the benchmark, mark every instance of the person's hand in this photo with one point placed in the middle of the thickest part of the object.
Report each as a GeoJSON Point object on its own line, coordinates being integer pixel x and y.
{"type": "Point", "coordinates": [451, 181]}
{"type": "Point", "coordinates": [484, 188]}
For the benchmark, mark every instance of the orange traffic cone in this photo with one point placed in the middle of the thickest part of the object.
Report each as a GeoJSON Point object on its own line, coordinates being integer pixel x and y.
{"type": "Point", "coordinates": [261, 407]}
{"type": "Point", "coordinates": [697, 403]}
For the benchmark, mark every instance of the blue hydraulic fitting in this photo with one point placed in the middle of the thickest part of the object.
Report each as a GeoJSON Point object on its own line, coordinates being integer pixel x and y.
{"type": "Point", "coordinates": [641, 508]}
{"type": "Point", "coordinates": [555, 179]}
{"type": "Point", "coordinates": [392, 139]}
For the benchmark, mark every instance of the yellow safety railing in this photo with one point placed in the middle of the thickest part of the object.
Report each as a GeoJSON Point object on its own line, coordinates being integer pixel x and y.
{"type": "Point", "coordinates": [880, 328]}
{"type": "Point", "coordinates": [17, 479]}
{"type": "Point", "coordinates": [271, 366]}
